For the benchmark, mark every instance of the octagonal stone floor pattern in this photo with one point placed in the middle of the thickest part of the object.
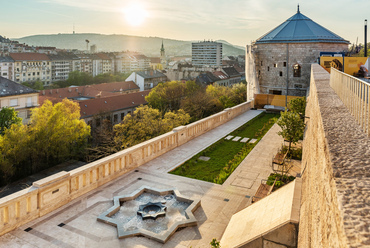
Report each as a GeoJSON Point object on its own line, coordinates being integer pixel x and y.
{"type": "Point", "coordinates": [76, 225]}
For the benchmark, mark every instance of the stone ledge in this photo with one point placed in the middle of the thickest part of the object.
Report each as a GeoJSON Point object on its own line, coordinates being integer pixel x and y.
{"type": "Point", "coordinates": [51, 179]}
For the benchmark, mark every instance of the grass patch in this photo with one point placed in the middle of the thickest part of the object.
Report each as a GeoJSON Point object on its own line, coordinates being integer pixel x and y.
{"type": "Point", "coordinates": [226, 155]}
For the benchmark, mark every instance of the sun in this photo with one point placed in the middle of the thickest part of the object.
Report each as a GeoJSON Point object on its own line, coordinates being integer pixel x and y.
{"type": "Point", "coordinates": [135, 15]}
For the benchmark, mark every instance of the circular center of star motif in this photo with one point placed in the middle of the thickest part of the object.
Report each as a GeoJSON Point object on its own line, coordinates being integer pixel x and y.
{"type": "Point", "coordinates": [152, 210]}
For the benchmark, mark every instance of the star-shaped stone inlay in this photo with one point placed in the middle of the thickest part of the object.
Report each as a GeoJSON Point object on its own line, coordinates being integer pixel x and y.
{"type": "Point", "coordinates": [152, 210]}
{"type": "Point", "coordinates": [159, 228]}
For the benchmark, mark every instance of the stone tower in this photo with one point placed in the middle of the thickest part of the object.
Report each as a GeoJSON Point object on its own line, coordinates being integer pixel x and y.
{"type": "Point", "coordinates": [280, 61]}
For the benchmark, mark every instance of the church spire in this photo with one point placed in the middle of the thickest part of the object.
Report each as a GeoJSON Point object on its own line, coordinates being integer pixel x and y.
{"type": "Point", "coordinates": [162, 48]}
{"type": "Point", "coordinates": [298, 9]}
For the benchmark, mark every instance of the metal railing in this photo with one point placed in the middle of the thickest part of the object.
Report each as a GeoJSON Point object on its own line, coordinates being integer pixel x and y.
{"type": "Point", "coordinates": [355, 94]}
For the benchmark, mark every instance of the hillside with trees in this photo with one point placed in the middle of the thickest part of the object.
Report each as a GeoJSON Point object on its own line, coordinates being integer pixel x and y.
{"type": "Point", "coordinates": [109, 43]}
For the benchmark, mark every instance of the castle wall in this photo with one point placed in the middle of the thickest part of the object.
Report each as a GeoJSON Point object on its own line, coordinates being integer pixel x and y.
{"type": "Point", "coordinates": [335, 203]}
{"type": "Point", "coordinates": [274, 61]}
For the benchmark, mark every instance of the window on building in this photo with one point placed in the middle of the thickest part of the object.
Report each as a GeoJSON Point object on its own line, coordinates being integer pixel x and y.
{"type": "Point", "coordinates": [28, 114]}
{"type": "Point", "coordinates": [261, 63]}
{"type": "Point", "coordinates": [115, 118]}
{"type": "Point", "coordinates": [97, 122]}
{"type": "Point", "coordinates": [13, 102]}
{"type": "Point", "coordinates": [122, 116]}
{"type": "Point", "coordinates": [268, 68]}
{"type": "Point", "coordinates": [297, 70]}
{"type": "Point", "coordinates": [29, 101]}
{"type": "Point", "coordinates": [275, 92]}
{"type": "Point", "coordinates": [281, 73]}
{"type": "Point", "coordinates": [89, 123]}
{"type": "Point", "coordinates": [284, 64]}
{"type": "Point", "coordinates": [275, 65]}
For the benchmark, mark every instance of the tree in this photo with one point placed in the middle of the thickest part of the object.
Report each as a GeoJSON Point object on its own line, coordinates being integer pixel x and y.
{"type": "Point", "coordinates": [79, 78]}
{"type": "Point", "coordinates": [8, 117]}
{"type": "Point", "coordinates": [14, 151]}
{"type": "Point", "coordinates": [298, 105]}
{"type": "Point", "coordinates": [146, 123]}
{"type": "Point", "coordinates": [166, 96]}
{"type": "Point", "coordinates": [57, 131]}
{"type": "Point", "coordinates": [292, 127]}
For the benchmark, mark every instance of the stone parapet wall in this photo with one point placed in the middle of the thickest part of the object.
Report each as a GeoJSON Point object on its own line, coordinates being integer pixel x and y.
{"type": "Point", "coordinates": [335, 205]}
{"type": "Point", "coordinates": [57, 190]}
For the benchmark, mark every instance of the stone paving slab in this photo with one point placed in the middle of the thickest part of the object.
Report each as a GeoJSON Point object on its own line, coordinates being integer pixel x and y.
{"type": "Point", "coordinates": [218, 202]}
{"type": "Point", "coordinates": [204, 158]}
{"type": "Point", "coordinates": [253, 141]}
{"type": "Point", "coordinates": [229, 137]}
{"type": "Point", "coordinates": [244, 140]}
{"type": "Point", "coordinates": [237, 138]}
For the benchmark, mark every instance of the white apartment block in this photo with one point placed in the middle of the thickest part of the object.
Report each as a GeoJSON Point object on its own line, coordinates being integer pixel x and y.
{"type": "Point", "coordinates": [32, 67]}
{"type": "Point", "coordinates": [207, 53]}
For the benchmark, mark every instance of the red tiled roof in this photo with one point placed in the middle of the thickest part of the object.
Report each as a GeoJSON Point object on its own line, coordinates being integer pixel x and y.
{"type": "Point", "coordinates": [29, 56]}
{"type": "Point", "coordinates": [93, 91]}
{"type": "Point", "coordinates": [103, 105]}
{"type": "Point", "coordinates": [116, 86]}
{"type": "Point", "coordinates": [220, 75]}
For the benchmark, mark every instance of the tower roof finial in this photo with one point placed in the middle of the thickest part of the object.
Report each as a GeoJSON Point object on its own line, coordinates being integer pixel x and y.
{"type": "Point", "coordinates": [298, 9]}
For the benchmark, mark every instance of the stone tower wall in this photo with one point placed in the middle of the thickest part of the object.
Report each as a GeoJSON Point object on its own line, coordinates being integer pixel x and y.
{"type": "Point", "coordinates": [272, 67]}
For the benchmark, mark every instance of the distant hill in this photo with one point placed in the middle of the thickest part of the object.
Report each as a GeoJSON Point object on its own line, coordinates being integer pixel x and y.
{"type": "Point", "coordinates": [149, 46]}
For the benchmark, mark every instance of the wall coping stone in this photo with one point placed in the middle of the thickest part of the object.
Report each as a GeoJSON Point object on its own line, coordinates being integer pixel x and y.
{"type": "Point", "coordinates": [51, 179]}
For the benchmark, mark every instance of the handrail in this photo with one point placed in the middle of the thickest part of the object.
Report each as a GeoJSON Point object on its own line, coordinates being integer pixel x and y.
{"type": "Point", "coordinates": [355, 94]}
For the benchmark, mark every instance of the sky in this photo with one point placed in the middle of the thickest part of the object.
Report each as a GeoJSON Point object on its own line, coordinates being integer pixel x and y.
{"type": "Point", "coordinates": [237, 21]}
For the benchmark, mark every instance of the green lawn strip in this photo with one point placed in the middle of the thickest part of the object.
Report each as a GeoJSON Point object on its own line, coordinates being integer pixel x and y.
{"type": "Point", "coordinates": [225, 155]}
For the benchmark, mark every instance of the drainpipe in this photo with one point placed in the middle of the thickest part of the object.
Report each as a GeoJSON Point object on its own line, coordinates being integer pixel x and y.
{"type": "Point", "coordinates": [287, 74]}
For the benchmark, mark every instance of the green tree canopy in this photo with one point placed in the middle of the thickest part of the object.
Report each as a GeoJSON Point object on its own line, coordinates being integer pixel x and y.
{"type": "Point", "coordinates": [146, 123]}
{"type": "Point", "coordinates": [55, 134]}
{"type": "Point", "coordinates": [8, 117]}
{"type": "Point", "coordinates": [292, 127]}
{"type": "Point", "coordinates": [298, 105]}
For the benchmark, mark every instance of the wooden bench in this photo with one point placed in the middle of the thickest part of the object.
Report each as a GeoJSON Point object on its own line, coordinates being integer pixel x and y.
{"type": "Point", "coordinates": [263, 191]}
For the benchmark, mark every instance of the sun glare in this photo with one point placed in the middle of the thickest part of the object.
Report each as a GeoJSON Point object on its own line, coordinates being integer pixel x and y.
{"type": "Point", "coordinates": [135, 15]}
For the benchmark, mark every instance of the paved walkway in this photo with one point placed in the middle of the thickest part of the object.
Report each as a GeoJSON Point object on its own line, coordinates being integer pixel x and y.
{"type": "Point", "coordinates": [218, 202]}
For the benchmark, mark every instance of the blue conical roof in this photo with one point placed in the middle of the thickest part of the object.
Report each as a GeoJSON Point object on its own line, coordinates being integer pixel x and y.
{"type": "Point", "coordinates": [299, 28]}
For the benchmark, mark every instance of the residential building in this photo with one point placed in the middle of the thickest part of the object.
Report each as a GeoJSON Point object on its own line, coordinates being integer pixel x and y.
{"type": "Point", "coordinates": [61, 65]}
{"type": "Point", "coordinates": [105, 63]}
{"type": "Point", "coordinates": [223, 79]}
{"type": "Point", "coordinates": [207, 53]}
{"type": "Point", "coordinates": [6, 67]}
{"type": "Point", "coordinates": [19, 97]}
{"type": "Point", "coordinates": [155, 63]}
{"type": "Point", "coordinates": [32, 67]}
{"type": "Point", "coordinates": [113, 108]}
{"type": "Point", "coordinates": [233, 74]}
{"type": "Point", "coordinates": [206, 78]}
{"type": "Point", "coordinates": [84, 63]}
{"type": "Point", "coordinates": [147, 79]}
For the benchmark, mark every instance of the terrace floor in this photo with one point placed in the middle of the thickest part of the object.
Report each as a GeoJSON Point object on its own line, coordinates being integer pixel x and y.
{"type": "Point", "coordinates": [76, 225]}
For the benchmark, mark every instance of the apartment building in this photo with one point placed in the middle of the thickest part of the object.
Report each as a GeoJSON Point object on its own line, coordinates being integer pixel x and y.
{"type": "Point", "coordinates": [6, 67]}
{"type": "Point", "coordinates": [207, 53]}
{"type": "Point", "coordinates": [61, 65]}
{"type": "Point", "coordinates": [31, 67]}
{"type": "Point", "coordinates": [147, 80]}
{"type": "Point", "coordinates": [19, 97]}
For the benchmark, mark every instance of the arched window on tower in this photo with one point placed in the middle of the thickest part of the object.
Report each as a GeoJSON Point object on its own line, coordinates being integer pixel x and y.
{"type": "Point", "coordinates": [297, 70]}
